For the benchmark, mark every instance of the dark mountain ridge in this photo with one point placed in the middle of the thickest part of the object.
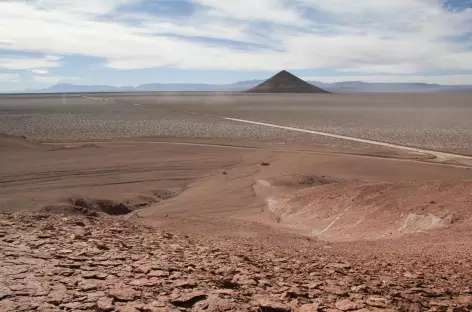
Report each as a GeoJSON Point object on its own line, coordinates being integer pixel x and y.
{"type": "Point", "coordinates": [285, 82]}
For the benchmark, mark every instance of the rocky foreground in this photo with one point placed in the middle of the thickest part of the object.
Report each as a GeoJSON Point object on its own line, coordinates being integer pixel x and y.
{"type": "Point", "coordinates": [53, 263]}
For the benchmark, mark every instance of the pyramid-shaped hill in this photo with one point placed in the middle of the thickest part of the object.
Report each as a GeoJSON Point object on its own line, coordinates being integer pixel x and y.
{"type": "Point", "coordinates": [285, 82]}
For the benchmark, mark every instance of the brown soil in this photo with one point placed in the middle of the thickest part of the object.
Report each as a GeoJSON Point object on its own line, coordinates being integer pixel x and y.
{"type": "Point", "coordinates": [192, 227]}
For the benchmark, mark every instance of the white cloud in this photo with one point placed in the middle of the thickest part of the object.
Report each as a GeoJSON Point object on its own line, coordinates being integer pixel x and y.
{"type": "Point", "coordinates": [87, 7]}
{"type": "Point", "coordinates": [260, 10]}
{"type": "Point", "coordinates": [21, 62]}
{"type": "Point", "coordinates": [443, 80]}
{"type": "Point", "coordinates": [39, 71]}
{"type": "Point", "coordinates": [372, 36]}
{"type": "Point", "coordinates": [214, 31]}
{"type": "Point", "coordinates": [55, 79]}
{"type": "Point", "coordinates": [372, 6]}
{"type": "Point", "coordinates": [9, 77]}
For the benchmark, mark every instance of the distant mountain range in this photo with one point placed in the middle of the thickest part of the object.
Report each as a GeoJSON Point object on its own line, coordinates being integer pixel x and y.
{"type": "Point", "coordinates": [337, 87]}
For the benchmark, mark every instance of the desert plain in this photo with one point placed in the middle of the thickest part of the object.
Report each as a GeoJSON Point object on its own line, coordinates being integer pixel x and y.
{"type": "Point", "coordinates": [235, 202]}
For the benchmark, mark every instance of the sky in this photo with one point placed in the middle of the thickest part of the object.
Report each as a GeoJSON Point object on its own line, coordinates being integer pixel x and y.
{"type": "Point", "coordinates": [132, 42]}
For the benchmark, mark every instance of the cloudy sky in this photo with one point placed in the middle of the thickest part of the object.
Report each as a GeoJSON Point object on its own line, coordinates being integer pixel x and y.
{"type": "Point", "coordinates": [131, 42]}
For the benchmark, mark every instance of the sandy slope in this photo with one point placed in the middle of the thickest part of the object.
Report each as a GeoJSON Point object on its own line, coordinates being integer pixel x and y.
{"type": "Point", "coordinates": [317, 191]}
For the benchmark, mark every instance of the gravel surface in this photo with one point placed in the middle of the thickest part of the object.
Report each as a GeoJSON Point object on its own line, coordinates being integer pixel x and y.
{"type": "Point", "coordinates": [74, 118]}
{"type": "Point", "coordinates": [430, 121]}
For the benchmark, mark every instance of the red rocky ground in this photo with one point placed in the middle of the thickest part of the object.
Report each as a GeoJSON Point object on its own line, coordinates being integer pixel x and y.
{"type": "Point", "coordinates": [53, 263]}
